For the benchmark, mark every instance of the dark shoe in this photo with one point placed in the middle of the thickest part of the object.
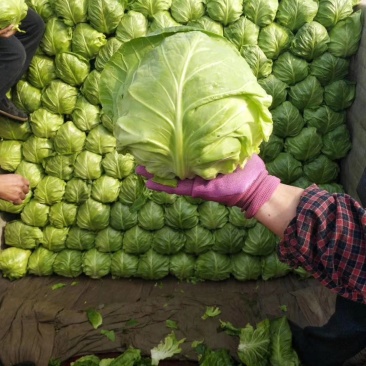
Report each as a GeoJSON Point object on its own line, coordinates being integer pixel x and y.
{"type": "Point", "coordinates": [8, 109]}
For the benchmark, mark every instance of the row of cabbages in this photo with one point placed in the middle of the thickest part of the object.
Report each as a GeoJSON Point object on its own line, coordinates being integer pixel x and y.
{"type": "Point", "coordinates": [89, 213]}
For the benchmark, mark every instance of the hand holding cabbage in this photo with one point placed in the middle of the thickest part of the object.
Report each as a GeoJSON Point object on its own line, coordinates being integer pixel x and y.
{"type": "Point", "coordinates": [248, 188]}
{"type": "Point", "coordinates": [12, 12]}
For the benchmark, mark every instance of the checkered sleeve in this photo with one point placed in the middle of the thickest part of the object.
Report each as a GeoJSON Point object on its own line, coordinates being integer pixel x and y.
{"type": "Point", "coordinates": [328, 239]}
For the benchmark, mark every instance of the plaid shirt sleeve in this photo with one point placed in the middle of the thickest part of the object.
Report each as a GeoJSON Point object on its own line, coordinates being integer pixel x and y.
{"type": "Point", "coordinates": [328, 239]}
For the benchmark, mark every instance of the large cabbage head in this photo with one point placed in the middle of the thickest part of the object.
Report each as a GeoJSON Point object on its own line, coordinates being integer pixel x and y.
{"type": "Point", "coordinates": [185, 103]}
{"type": "Point", "coordinates": [12, 12]}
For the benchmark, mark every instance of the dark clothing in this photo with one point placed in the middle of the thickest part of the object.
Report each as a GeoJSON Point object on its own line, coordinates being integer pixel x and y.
{"type": "Point", "coordinates": [328, 239]}
{"type": "Point", "coordinates": [16, 52]}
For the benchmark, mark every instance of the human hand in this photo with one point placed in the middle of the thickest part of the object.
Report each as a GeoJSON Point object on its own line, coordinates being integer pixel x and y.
{"type": "Point", "coordinates": [13, 188]}
{"type": "Point", "coordinates": [7, 32]}
{"type": "Point", "coordinates": [248, 188]}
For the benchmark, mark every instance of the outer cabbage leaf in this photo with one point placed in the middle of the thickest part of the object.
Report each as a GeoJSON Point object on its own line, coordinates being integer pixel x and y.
{"type": "Point", "coordinates": [345, 36]}
{"type": "Point", "coordinates": [295, 13]}
{"type": "Point", "coordinates": [225, 105]}
{"type": "Point", "coordinates": [261, 12]}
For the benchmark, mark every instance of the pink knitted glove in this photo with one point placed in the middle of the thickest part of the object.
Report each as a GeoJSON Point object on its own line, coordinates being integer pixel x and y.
{"type": "Point", "coordinates": [248, 188]}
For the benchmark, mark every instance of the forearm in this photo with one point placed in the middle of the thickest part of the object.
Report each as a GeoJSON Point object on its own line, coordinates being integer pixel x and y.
{"type": "Point", "coordinates": [277, 213]}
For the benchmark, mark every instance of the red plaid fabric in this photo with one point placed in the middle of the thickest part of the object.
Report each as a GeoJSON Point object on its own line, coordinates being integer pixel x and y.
{"type": "Point", "coordinates": [328, 239]}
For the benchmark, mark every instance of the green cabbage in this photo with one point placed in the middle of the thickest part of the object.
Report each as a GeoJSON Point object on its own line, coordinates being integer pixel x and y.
{"type": "Point", "coordinates": [181, 150]}
{"type": "Point", "coordinates": [153, 266]}
{"type": "Point", "coordinates": [13, 262]}
{"type": "Point", "coordinates": [182, 266]}
{"type": "Point", "coordinates": [45, 123]}
{"type": "Point", "coordinates": [71, 12]}
{"type": "Point", "coordinates": [184, 11]}
{"type": "Point", "coordinates": [10, 154]}
{"type": "Point", "coordinates": [123, 265]}
{"type": "Point", "coordinates": [224, 11]}
{"type": "Point", "coordinates": [108, 240]}
{"type": "Point", "coordinates": [213, 266]}
{"type": "Point", "coordinates": [40, 262]}
{"type": "Point", "coordinates": [181, 214]}
{"type": "Point", "coordinates": [26, 96]}
{"type": "Point", "coordinates": [198, 240]}
{"type": "Point", "coordinates": [261, 12]}
{"type": "Point", "coordinates": [20, 235]}
{"type": "Point", "coordinates": [12, 12]}
{"type": "Point", "coordinates": [33, 172]}
{"type": "Point", "coordinates": [96, 264]}
{"type": "Point", "coordinates": [42, 71]}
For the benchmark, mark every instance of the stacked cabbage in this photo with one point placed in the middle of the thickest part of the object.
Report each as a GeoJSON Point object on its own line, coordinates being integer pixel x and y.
{"type": "Point", "coordinates": [88, 213]}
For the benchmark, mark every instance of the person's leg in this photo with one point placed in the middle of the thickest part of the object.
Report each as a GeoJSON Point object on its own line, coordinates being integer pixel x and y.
{"type": "Point", "coordinates": [33, 27]}
{"type": "Point", "coordinates": [342, 337]}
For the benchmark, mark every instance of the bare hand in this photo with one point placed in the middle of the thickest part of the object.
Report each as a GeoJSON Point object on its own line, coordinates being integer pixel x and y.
{"type": "Point", "coordinates": [7, 32]}
{"type": "Point", "coordinates": [13, 188]}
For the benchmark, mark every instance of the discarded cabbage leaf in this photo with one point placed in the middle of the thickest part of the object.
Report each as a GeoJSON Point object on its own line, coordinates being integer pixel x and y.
{"type": "Point", "coordinates": [18, 234]}
{"type": "Point", "coordinates": [213, 266]}
{"type": "Point", "coordinates": [108, 240]}
{"type": "Point", "coordinates": [68, 263]}
{"type": "Point", "coordinates": [166, 349]}
{"type": "Point", "coordinates": [211, 312]}
{"type": "Point", "coordinates": [153, 266]}
{"type": "Point", "coordinates": [254, 344]}
{"type": "Point", "coordinates": [96, 264]}
{"type": "Point", "coordinates": [13, 262]}
{"type": "Point", "coordinates": [95, 318]}
{"type": "Point", "coordinates": [40, 262]}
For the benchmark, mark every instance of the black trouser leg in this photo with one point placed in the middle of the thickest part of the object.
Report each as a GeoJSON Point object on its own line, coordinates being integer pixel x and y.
{"type": "Point", "coordinates": [17, 52]}
{"type": "Point", "coordinates": [332, 344]}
